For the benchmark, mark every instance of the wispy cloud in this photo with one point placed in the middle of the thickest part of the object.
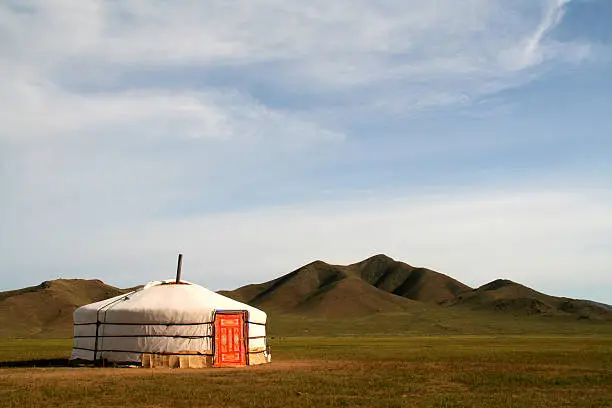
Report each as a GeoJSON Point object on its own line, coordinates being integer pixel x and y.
{"type": "Point", "coordinates": [126, 124]}
{"type": "Point", "coordinates": [416, 55]}
{"type": "Point", "coordinates": [534, 236]}
{"type": "Point", "coordinates": [534, 50]}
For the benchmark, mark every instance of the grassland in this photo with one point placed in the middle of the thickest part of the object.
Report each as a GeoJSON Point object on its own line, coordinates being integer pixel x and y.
{"type": "Point", "coordinates": [435, 320]}
{"type": "Point", "coordinates": [431, 371]}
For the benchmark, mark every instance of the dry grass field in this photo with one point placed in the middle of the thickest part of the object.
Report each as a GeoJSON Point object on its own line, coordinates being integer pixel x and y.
{"type": "Point", "coordinates": [443, 371]}
{"type": "Point", "coordinates": [360, 335]}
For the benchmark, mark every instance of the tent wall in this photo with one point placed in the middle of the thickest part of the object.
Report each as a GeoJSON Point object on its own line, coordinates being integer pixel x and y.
{"type": "Point", "coordinates": [161, 319]}
{"type": "Point", "coordinates": [126, 343]}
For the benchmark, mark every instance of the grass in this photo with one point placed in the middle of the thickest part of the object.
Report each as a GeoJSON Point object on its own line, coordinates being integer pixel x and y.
{"type": "Point", "coordinates": [435, 320]}
{"type": "Point", "coordinates": [34, 349]}
{"type": "Point", "coordinates": [442, 371]}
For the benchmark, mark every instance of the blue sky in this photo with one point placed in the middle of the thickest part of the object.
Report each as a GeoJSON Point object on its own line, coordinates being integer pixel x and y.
{"type": "Point", "coordinates": [258, 136]}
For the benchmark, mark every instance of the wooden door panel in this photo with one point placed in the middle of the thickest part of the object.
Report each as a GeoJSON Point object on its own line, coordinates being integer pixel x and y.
{"type": "Point", "coordinates": [230, 347]}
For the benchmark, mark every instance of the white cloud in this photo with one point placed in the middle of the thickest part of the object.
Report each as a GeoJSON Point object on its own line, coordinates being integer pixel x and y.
{"type": "Point", "coordinates": [549, 239]}
{"type": "Point", "coordinates": [92, 163]}
{"type": "Point", "coordinates": [429, 54]}
{"type": "Point", "coordinates": [44, 111]}
{"type": "Point", "coordinates": [533, 50]}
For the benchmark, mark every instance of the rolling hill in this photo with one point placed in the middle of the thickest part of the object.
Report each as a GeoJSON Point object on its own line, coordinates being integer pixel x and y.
{"type": "Point", "coordinates": [46, 310]}
{"type": "Point", "coordinates": [377, 284]}
{"type": "Point", "coordinates": [505, 295]}
{"type": "Point", "coordinates": [323, 290]}
{"type": "Point", "coordinates": [383, 285]}
{"type": "Point", "coordinates": [377, 292]}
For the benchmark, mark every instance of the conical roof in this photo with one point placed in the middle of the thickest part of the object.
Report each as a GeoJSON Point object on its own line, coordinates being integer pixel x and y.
{"type": "Point", "coordinates": [162, 302]}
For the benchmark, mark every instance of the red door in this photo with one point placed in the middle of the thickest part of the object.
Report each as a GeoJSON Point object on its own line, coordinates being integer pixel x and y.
{"type": "Point", "coordinates": [230, 345]}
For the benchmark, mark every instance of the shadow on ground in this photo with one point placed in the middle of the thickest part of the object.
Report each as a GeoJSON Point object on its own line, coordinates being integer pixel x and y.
{"type": "Point", "coordinates": [51, 362]}
{"type": "Point", "coordinates": [61, 362]}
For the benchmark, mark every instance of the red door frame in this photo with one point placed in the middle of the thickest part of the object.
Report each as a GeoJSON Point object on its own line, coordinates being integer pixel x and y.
{"type": "Point", "coordinates": [243, 326]}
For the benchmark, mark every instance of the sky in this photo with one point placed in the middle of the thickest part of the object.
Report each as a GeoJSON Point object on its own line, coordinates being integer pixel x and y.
{"type": "Point", "coordinates": [473, 138]}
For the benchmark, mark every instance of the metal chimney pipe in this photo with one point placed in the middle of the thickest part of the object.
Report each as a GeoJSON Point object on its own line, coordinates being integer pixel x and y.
{"type": "Point", "coordinates": [178, 268]}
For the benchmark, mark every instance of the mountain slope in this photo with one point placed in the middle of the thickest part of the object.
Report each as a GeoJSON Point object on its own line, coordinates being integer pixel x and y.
{"type": "Point", "coordinates": [380, 284]}
{"type": "Point", "coordinates": [505, 295]}
{"type": "Point", "coordinates": [377, 284]}
{"type": "Point", "coordinates": [377, 287]}
{"type": "Point", "coordinates": [320, 289]}
{"type": "Point", "coordinates": [46, 310]}
{"type": "Point", "coordinates": [407, 281]}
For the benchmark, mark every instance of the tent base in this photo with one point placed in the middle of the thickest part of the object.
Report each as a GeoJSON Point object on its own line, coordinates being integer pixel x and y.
{"type": "Point", "coordinates": [175, 360]}
{"type": "Point", "coordinates": [195, 361]}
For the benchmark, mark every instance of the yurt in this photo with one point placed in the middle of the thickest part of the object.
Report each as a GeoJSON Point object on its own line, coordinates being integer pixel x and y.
{"type": "Point", "coordinates": [170, 323]}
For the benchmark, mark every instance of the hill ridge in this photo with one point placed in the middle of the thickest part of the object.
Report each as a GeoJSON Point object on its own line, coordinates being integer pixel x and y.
{"type": "Point", "coordinates": [378, 285]}
{"type": "Point", "coordinates": [295, 291]}
{"type": "Point", "coordinates": [45, 310]}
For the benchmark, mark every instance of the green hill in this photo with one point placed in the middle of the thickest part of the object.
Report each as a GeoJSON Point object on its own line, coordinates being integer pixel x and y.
{"type": "Point", "coordinates": [383, 285]}
{"type": "Point", "coordinates": [46, 310]}
{"type": "Point", "coordinates": [507, 296]}
{"type": "Point", "coordinates": [376, 296]}
{"type": "Point", "coordinates": [377, 284]}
